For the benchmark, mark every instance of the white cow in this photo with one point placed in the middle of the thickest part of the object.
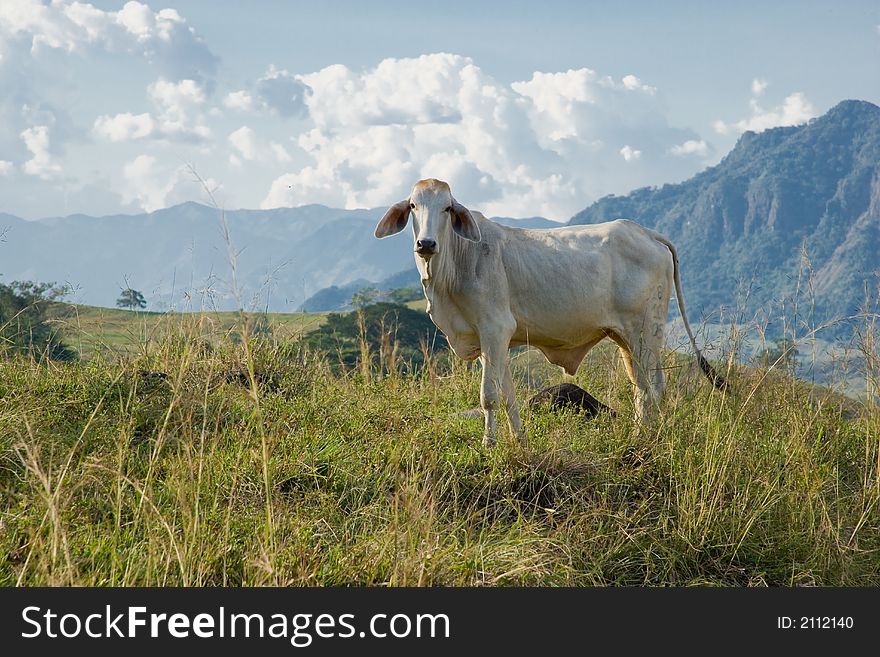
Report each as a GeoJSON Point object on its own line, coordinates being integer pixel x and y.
{"type": "Point", "coordinates": [491, 287]}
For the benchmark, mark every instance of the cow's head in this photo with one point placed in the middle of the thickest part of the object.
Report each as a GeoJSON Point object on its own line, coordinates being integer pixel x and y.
{"type": "Point", "coordinates": [436, 216]}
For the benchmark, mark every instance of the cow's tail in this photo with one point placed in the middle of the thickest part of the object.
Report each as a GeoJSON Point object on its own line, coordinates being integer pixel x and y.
{"type": "Point", "coordinates": [717, 380]}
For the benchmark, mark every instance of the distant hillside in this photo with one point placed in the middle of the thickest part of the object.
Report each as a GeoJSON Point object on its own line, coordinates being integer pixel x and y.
{"type": "Point", "coordinates": [178, 257]}
{"type": "Point", "coordinates": [338, 297]}
{"type": "Point", "coordinates": [742, 225]}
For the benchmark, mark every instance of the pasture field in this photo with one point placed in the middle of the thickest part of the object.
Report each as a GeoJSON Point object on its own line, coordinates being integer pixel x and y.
{"type": "Point", "coordinates": [92, 329]}
{"type": "Point", "coordinates": [172, 454]}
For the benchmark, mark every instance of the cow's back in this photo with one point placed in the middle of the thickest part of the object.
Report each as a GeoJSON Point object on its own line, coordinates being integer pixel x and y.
{"type": "Point", "coordinates": [566, 284]}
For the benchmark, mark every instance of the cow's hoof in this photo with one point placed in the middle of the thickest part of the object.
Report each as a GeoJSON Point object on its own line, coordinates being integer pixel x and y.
{"type": "Point", "coordinates": [488, 441]}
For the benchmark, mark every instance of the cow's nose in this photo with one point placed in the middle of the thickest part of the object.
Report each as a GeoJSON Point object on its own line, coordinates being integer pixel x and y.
{"type": "Point", "coordinates": [426, 246]}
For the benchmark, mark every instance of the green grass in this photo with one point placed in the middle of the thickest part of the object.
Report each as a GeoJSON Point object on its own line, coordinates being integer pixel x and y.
{"type": "Point", "coordinates": [92, 329]}
{"type": "Point", "coordinates": [298, 474]}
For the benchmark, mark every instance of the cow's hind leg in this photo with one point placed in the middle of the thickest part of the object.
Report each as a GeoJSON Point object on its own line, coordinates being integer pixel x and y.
{"type": "Point", "coordinates": [513, 418]}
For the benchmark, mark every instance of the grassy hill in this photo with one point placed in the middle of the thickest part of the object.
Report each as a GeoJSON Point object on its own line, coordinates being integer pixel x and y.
{"type": "Point", "coordinates": [148, 464]}
{"type": "Point", "coordinates": [92, 329]}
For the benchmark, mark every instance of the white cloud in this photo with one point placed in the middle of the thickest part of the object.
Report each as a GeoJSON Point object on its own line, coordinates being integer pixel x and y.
{"type": "Point", "coordinates": [6, 167]}
{"type": "Point", "coordinates": [244, 142]}
{"type": "Point", "coordinates": [248, 146]}
{"type": "Point", "coordinates": [51, 26]}
{"type": "Point", "coordinates": [632, 83]}
{"type": "Point", "coordinates": [152, 185]}
{"type": "Point", "coordinates": [795, 109]}
{"type": "Point", "coordinates": [759, 86]}
{"type": "Point", "coordinates": [539, 146]}
{"type": "Point", "coordinates": [630, 153]}
{"type": "Point", "coordinates": [124, 127]}
{"type": "Point", "coordinates": [36, 139]}
{"type": "Point", "coordinates": [241, 101]}
{"type": "Point", "coordinates": [179, 106]}
{"type": "Point", "coordinates": [38, 40]}
{"type": "Point", "coordinates": [280, 153]}
{"type": "Point", "coordinates": [141, 184]}
{"type": "Point", "coordinates": [178, 116]}
{"type": "Point", "coordinates": [691, 147]}
{"type": "Point", "coordinates": [175, 98]}
{"type": "Point", "coordinates": [162, 38]}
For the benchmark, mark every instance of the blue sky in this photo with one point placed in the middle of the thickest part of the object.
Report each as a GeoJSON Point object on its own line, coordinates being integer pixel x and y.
{"type": "Point", "coordinates": [526, 108]}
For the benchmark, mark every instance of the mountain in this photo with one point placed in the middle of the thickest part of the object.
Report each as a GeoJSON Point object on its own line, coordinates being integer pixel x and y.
{"type": "Point", "coordinates": [744, 226]}
{"type": "Point", "coordinates": [338, 297]}
{"type": "Point", "coordinates": [179, 257]}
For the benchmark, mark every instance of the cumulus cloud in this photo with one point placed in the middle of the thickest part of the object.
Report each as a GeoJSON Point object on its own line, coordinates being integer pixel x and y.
{"type": "Point", "coordinates": [547, 145]}
{"type": "Point", "coordinates": [248, 146]}
{"type": "Point", "coordinates": [179, 106]}
{"type": "Point", "coordinates": [141, 184]}
{"type": "Point", "coordinates": [244, 142]}
{"type": "Point", "coordinates": [151, 184]}
{"type": "Point", "coordinates": [795, 109]}
{"type": "Point", "coordinates": [124, 127]}
{"type": "Point", "coordinates": [759, 86]}
{"type": "Point", "coordinates": [6, 167]}
{"type": "Point", "coordinates": [691, 147]}
{"type": "Point", "coordinates": [241, 101]}
{"type": "Point", "coordinates": [37, 40]}
{"type": "Point", "coordinates": [179, 115]}
{"type": "Point", "coordinates": [163, 38]}
{"type": "Point", "coordinates": [41, 164]}
{"type": "Point", "coordinates": [629, 153]}
{"type": "Point", "coordinates": [632, 83]}
{"type": "Point", "coordinates": [175, 99]}
{"type": "Point", "coordinates": [281, 153]}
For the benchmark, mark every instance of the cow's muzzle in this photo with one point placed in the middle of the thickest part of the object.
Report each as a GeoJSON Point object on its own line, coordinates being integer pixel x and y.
{"type": "Point", "coordinates": [426, 247]}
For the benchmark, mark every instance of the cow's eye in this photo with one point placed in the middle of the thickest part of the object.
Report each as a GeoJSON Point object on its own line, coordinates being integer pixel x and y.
{"type": "Point", "coordinates": [449, 209]}
{"type": "Point", "coordinates": [412, 206]}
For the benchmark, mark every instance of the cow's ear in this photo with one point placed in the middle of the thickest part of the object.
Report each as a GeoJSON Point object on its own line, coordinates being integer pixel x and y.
{"type": "Point", "coordinates": [394, 220]}
{"type": "Point", "coordinates": [463, 223]}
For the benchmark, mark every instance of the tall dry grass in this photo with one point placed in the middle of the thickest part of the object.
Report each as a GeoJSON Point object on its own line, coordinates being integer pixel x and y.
{"type": "Point", "coordinates": [207, 461]}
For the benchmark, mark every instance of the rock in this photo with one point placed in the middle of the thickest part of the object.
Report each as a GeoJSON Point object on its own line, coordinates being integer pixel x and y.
{"type": "Point", "coordinates": [570, 396]}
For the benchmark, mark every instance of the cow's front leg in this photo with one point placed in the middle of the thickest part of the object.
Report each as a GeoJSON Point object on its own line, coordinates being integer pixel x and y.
{"type": "Point", "coordinates": [489, 398]}
{"type": "Point", "coordinates": [497, 380]}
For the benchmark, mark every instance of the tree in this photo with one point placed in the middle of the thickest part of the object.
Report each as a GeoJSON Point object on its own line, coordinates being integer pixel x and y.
{"type": "Point", "coordinates": [403, 295]}
{"type": "Point", "coordinates": [25, 320]}
{"type": "Point", "coordinates": [131, 299]}
{"type": "Point", "coordinates": [410, 331]}
{"type": "Point", "coordinates": [364, 297]}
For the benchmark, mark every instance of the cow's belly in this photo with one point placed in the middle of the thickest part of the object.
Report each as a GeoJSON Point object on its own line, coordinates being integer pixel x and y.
{"type": "Point", "coordinates": [556, 331]}
{"type": "Point", "coordinates": [568, 340]}
{"type": "Point", "coordinates": [565, 330]}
